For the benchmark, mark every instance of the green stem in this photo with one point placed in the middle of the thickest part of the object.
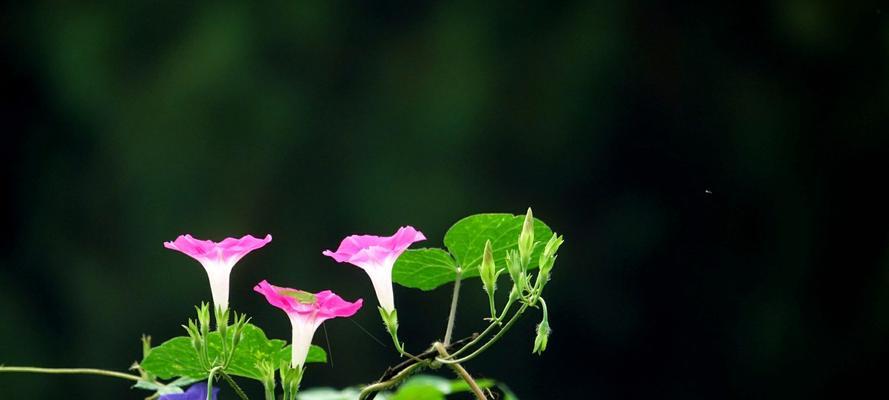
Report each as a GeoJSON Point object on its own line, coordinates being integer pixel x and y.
{"type": "Point", "coordinates": [398, 345]}
{"type": "Point", "coordinates": [543, 304]}
{"type": "Point", "coordinates": [210, 383]}
{"type": "Point", "coordinates": [485, 346]}
{"type": "Point", "coordinates": [453, 314]}
{"type": "Point", "coordinates": [376, 387]}
{"type": "Point", "coordinates": [462, 373]}
{"type": "Point", "coordinates": [269, 390]}
{"type": "Point", "coordinates": [87, 371]}
{"type": "Point", "coordinates": [493, 306]}
{"type": "Point", "coordinates": [496, 322]}
{"type": "Point", "coordinates": [234, 385]}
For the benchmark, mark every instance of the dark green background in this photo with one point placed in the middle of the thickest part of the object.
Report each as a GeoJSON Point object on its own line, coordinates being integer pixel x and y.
{"type": "Point", "coordinates": [718, 172]}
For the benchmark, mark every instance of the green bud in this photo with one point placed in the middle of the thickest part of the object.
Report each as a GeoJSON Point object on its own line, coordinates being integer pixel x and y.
{"type": "Point", "coordinates": [240, 321]}
{"type": "Point", "coordinates": [526, 238]}
{"type": "Point", "coordinates": [542, 338]}
{"type": "Point", "coordinates": [146, 345]}
{"type": "Point", "coordinates": [204, 319]}
{"type": "Point", "coordinates": [552, 246]}
{"type": "Point", "coordinates": [548, 257]}
{"type": "Point", "coordinates": [514, 267]}
{"type": "Point", "coordinates": [222, 322]}
{"type": "Point", "coordinates": [193, 331]}
{"type": "Point", "coordinates": [487, 270]}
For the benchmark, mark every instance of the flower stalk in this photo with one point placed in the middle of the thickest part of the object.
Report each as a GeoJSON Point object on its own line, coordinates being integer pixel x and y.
{"type": "Point", "coordinates": [376, 255]}
{"type": "Point", "coordinates": [453, 313]}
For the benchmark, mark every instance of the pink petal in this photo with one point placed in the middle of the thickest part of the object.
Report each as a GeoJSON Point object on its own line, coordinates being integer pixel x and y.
{"type": "Point", "coordinates": [362, 248]}
{"type": "Point", "coordinates": [197, 249]}
{"type": "Point", "coordinates": [229, 250]}
{"type": "Point", "coordinates": [273, 297]}
{"type": "Point", "coordinates": [333, 306]}
{"type": "Point", "coordinates": [240, 247]}
{"type": "Point", "coordinates": [328, 304]}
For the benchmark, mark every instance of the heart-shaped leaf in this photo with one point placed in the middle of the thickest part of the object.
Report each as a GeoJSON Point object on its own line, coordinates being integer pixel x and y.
{"type": "Point", "coordinates": [430, 268]}
{"type": "Point", "coordinates": [176, 357]}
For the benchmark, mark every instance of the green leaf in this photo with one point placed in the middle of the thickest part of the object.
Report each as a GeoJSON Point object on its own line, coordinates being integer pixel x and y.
{"type": "Point", "coordinates": [159, 389]}
{"type": "Point", "coordinates": [418, 392]}
{"type": "Point", "coordinates": [460, 385]}
{"type": "Point", "coordinates": [424, 269]}
{"type": "Point", "coordinates": [441, 384]}
{"type": "Point", "coordinates": [329, 394]}
{"type": "Point", "coordinates": [176, 357]}
{"type": "Point", "coordinates": [428, 269]}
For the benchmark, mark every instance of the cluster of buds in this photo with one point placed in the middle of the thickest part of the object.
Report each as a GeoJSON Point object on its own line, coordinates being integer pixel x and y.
{"type": "Point", "coordinates": [230, 335]}
{"type": "Point", "coordinates": [199, 333]}
{"type": "Point", "coordinates": [518, 262]}
{"type": "Point", "coordinates": [290, 380]}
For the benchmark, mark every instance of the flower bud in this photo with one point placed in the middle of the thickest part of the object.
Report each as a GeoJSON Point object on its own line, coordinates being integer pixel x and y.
{"type": "Point", "coordinates": [514, 267]}
{"type": "Point", "coordinates": [222, 322]}
{"type": "Point", "coordinates": [204, 319]}
{"type": "Point", "coordinates": [240, 321]}
{"type": "Point", "coordinates": [548, 257]}
{"type": "Point", "coordinates": [542, 338]}
{"type": "Point", "coordinates": [487, 270]}
{"type": "Point", "coordinates": [194, 334]}
{"type": "Point", "coordinates": [526, 238]}
{"type": "Point", "coordinates": [146, 345]}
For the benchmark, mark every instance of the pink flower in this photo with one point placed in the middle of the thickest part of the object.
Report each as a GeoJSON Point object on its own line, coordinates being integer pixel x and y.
{"type": "Point", "coordinates": [218, 258]}
{"type": "Point", "coordinates": [306, 311]}
{"type": "Point", "coordinates": [376, 255]}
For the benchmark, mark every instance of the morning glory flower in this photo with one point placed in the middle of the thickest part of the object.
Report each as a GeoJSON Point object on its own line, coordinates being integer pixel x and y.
{"type": "Point", "coordinates": [376, 255]}
{"type": "Point", "coordinates": [218, 259]}
{"type": "Point", "coordinates": [198, 391]}
{"type": "Point", "coordinates": [306, 311]}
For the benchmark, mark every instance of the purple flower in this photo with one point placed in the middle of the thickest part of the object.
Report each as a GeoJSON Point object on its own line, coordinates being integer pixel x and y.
{"type": "Point", "coordinates": [198, 391]}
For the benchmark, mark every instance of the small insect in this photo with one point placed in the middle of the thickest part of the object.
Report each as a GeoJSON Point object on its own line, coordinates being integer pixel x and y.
{"type": "Point", "coordinates": [708, 191]}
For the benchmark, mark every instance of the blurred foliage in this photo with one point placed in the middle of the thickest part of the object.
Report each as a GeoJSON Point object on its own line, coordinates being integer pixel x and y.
{"type": "Point", "coordinates": [418, 387]}
{"type": "Point", "coordinates": [717, 168]}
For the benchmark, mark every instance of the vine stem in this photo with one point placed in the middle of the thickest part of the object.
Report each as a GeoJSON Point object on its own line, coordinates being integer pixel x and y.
{"type": "Point", "coordinates": [493, 307]}
{"type": "Point", "coordinates": [85, 371]}
{"type": "Point", "coordinates": [376, 387]}
{"type": "Point", "coordinates": [495, 323]}
{"type": "Point", "coordinates": [485, 346]}
{"type": "Point", "coordinates": [210, 382]}
{"type": "Point", "coordinates": [453, 314]}
{"type": "Point", "coordinates": [462, 373]}
{"type": "Point", "coordinates": [231, 382]}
